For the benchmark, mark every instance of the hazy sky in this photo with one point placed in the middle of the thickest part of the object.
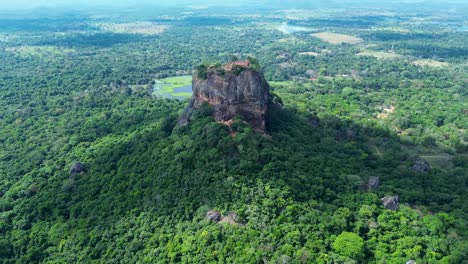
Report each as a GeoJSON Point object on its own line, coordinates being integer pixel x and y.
{"type": "Point", "coordinates": [52, 3]}
{"type": "Point", "coordinates": [81, 3]}
{"type": "Point", "coordinates": [31, 4]}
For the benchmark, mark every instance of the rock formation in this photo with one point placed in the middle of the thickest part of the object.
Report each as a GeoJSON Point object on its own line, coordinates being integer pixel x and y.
{"type": "Point", "coordinates": [421, 165]}
{"type": "Point", "coordinates": [232, 218]}
{"type": "Point", "coordinates": [373, 183]}
{"type": "Point", "coordinates": [232, 90]}
{"type": "Point", "coordinates": [213, 215]}
{"type": "Point", "coordinates": [391, 202]}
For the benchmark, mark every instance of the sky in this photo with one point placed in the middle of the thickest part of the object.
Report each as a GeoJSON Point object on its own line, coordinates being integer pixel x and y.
{"type": "Point", "coordinates": [32, 4]}
{"type": "Point", "coordinates": [25, 4]}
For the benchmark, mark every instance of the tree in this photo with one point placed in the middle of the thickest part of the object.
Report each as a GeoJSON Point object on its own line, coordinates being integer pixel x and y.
{"type": "Point", "coordinates": [254, 64]}
{"type": "Point", "coordinates": [349, 244]}
{"type": "Point", "coordinates": [202, 71]}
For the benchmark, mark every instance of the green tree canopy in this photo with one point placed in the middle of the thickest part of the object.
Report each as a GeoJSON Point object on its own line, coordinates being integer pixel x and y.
{"type": "Point", "coordinates": [349, 244]}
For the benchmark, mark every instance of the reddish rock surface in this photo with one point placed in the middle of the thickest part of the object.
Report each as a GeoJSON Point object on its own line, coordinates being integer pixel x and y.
{"type": "Point", "coordinates": [246, 94]}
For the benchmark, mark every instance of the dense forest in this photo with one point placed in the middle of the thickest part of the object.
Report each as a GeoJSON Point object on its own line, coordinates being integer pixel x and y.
{"type": "Point", "coordinates": [93, 168]}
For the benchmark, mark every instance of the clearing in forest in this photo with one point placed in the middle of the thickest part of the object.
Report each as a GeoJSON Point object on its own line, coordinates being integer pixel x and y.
{"type": "Point", "coordinates": [386, 111]}
{"type": "Point", "coordinates": [335, 38]}
{"type": "Point", "coordinates": [174, 87]}
{"type": "Point", "coordinates": [431, 63]}
{"type": "Point", "coordinates": [309, 53]}
{"type": "Point", "coordinates": [380, 54]}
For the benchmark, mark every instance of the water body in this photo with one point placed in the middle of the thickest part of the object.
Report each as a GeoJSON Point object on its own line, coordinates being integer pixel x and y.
{"type": "Point", "coordinates": [158, 90]}
{"type": "Point", "coordinates": [463, 29]}
{"type": "Point", "coordinates": [185, 89]}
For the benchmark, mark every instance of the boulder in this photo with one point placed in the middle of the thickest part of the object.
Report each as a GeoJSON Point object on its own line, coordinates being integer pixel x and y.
{"type": "Point", "coordinates": [411, 262]}
{"type": "Point", "coordinates": [373, 183]}
{"type": "Point", "coordinates": [214, 216]}
{"type": "Point", "coordinates": [244, 93]}
{"type": "Point", "coordinates": [77, 168]}
{"type": "Point", "coordinates": [421, 166]}
{"type": "Point", "coordinates": [391, 202]}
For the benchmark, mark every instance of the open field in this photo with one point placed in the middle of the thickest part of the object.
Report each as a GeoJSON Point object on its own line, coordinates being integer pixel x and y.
{"type": "Point", "coordinates": [335, 38]}
{"type": "Point", "coordinates": [143, 28]}
{"type": "Point", "coordinates": [286, 40]}
{"type": "Point", "coordinates": [380, 54]}
{"type": "Point", "coordinates": [309, 53]}
{"type": "Point", "coordinates": [431, 63]}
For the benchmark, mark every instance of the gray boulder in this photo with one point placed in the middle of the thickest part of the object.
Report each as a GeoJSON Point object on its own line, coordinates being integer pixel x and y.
{"type": "Point", "coordinates": [213, 215]}
{"type": "Point", "coordinates": [373, 183]}
{"type": "Point", "coordinates": [421, 165]}
{"type": "Point", "coordinates": [391, 202]}
{"type": "Point", "coordinates": [411, 262]}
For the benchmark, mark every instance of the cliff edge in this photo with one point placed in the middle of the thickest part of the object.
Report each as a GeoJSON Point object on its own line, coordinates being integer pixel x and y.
{"type": "Point", "coordinates": [235, 89]}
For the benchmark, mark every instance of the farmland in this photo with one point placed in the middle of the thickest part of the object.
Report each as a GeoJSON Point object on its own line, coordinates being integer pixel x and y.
{"type": "Point", "coordinates": [335, 38]}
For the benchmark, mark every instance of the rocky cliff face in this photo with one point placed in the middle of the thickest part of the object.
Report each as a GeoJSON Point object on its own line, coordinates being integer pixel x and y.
{"type": "Point", "coordinates": [240, 92]}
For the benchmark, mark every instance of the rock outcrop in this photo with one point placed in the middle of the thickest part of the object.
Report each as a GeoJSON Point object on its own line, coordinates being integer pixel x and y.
{"type": "Point", "coordinates": [373, 183]}
{"type": "Point", "coordinates": [214, 216]}
{"type": "Point", "coordinates": [391, 202]}
{"type": "Point", "coordinates": [421, 166]}
{"type": "Point", "coordinates": [232, 218]}
{"type": "Point", "coordinates": [232, 90]}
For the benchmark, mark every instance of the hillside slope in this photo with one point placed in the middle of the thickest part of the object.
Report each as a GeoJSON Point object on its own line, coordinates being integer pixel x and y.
{"type": "Point", "coordinates": [145, 194]}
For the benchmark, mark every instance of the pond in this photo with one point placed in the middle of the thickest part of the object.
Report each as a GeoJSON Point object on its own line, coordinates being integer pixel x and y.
{"type": "Point", "coordinates": [185, 89]}
{"type": "Point", "coordinates": [178, 87]}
